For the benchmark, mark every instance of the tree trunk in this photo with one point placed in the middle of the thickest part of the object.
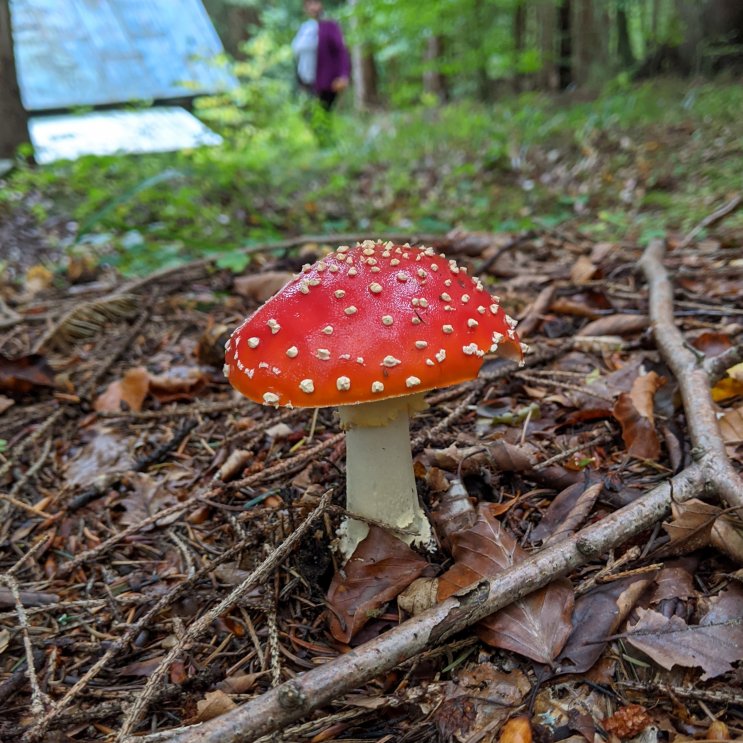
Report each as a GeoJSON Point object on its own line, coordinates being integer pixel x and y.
{"type": "Point", "coordinates": [363, 69]}
{"type": "Point", "coordinates": [586, 42]}
{"type": "Point", "coordinates": [519, 43]}
{"type": "Point", "coordinates": [547, 24]}
{"type": "Point", "coordinates": [624, 45]}
{"type": "Point", "coordinates": [565, 32]}
{"type": "Point", "coordinates": [434, 81]}
{"type": "Point", "coordinates": [13, 118]}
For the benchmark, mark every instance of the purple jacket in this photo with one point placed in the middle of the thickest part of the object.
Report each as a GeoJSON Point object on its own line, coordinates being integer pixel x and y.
{"type": "Point", "coordinates": [333, 60]}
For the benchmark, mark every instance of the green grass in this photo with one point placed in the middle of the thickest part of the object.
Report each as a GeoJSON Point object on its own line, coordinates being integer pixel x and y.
{"type": "Point", "coordinates": [526, 161]}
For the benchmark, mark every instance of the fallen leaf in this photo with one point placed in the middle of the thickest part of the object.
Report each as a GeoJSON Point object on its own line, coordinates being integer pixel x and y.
{"type": "Point", "coordinates": [5, 403]}
{"type": "Point", "coordinates": [25, 373]}
{"type": "Point", "coordinates": [634, 411]}
{"type": "Point", "coordinates": [615, 325]}
{"type": "Point", "coordinates": [141, 667]}
{"type": "Point", "coordinates": [38, 278]}
{"type": "Point", "coordinates": [628, 721]}
{"type": "Point", "coordinates": [261, 286]}
{"type": "Point", "coordinates": [536, 626]}
{"type": "Point", "coordinates": [712, 344]}
{"type": "Point", "coordinates": [690, 528]}
{"type": "Point", "coordinates": [240, 683]}
{"type": "Point", "coordinates": [380, 568]}
{"type": "Point", "coordinates": [214, 704]}
{"type": "Point", "coordinates": [131, 389]}
{"type": "Point", "coordinates": [583, 270]}
{"type": "Point", "coordinates": [516, 730]}
{"type": "Point", "coordinates": [105, 451]}
{"type": "Point", "coordinates": [178, 383]}
{"type": "Point", "coordinates": [731, 426]}
{"type": "Point", "coordinates": [562, 504]}
{"type": "Point", "coordinates": [146, 497]}
{"type": "Point", "coordinates": [713, 644]}
{"type": "Point", "coordinates": [597, 615]}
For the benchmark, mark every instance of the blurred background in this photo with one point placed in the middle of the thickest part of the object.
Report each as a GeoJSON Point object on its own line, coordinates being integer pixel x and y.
{"type": "Point", "coordinates": [498, 115]}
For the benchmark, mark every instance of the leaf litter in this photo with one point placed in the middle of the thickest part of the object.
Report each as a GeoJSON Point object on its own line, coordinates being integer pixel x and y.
{"type": "Point", "coordinates": [187, 487]}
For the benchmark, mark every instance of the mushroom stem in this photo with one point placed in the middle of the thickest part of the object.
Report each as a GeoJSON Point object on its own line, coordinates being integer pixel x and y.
{"type": "Point", "coordinates": [380, 484]}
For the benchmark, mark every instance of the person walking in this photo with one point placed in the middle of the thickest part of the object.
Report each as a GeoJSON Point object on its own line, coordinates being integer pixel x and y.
{"type": "Point", "coordinates": [322, 62]}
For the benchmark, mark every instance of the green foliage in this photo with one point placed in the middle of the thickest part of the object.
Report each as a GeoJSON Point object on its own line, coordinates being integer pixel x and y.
{"type": "Point", "coordinates": [528, 161]}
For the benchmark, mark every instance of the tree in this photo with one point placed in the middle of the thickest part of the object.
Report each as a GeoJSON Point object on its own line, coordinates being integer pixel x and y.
{"type": "Point", "coordinates": [13, 118]}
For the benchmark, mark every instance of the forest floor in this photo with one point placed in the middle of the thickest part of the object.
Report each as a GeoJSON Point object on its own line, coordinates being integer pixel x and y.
{"type": "Point", "coordinates": [168, 547]}
{"type": "Point", "coordinates": [141, 494]}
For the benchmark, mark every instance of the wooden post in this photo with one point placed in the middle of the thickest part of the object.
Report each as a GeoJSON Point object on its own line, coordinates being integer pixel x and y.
{"type": "Point", "coordinates": [13, 118]}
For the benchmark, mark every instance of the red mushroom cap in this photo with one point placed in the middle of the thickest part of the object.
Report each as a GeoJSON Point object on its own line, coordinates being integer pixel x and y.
{"type": "Point", "coordinates": [366, 323]}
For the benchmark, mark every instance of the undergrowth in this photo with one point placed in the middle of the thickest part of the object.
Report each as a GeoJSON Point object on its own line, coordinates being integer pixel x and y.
{"type": "Point", "coordinates": [634, 160]}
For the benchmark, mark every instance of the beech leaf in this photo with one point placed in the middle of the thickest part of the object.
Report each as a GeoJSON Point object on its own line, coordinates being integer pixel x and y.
{"type": "Point", "coordinates": [714, 644]}
{"type": "Point", "coordinates": [132, 389]}
{"type": "Point", "coordinates": [634, 411]}
{"type": "Point", "coordinates": [380, 568]}
{"type": "Point", "coordinates": [536, 626]}
{"type": "Point", "coordinates": [25, 373]}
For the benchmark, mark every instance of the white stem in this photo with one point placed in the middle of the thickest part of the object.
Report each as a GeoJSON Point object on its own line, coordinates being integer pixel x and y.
{"type": "Point", "coordinates": [380, 484]}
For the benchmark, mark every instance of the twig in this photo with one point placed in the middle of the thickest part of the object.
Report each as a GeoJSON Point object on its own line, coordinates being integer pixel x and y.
{"type": "Point", "coordinates": [716, 366]}
{"type": "Point", "coordinates": [312, 689]}
{"type": "Point", "coordinates": [204, 622]}
{"type": "Point", "coordinates": [40, 702]}
{"type": "Point", "coordinates": [710, 219]}
{"type": "Point", "coordinates": [32, 439]}
{"type": "Point", "coordinates": [694, 384]}
{"type": "Point", "coordinates": [39, 729]}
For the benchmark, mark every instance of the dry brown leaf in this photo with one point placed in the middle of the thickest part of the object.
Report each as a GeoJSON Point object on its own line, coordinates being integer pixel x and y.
{"type": "Point", "coordinates": [240, 683]}
{"type": "Point", "coordinates": [105, 451]}
{"type": "Point", "coordinates": [690, 528]}
{"type": "Point", "coordinates": [727, 536]}
{"type": "Point", "coordinates": [147, 496]}
{"type": "Point", "coordinates": [714, 644]}
{"type": "Point", "coordinates": [132, 389]}
{"type": "Point", "coordinates": [516, 730]}
{"type": "Point", "coordinates": [380, 568]}
{"type": "Point", "coordinates": [5, 403]}
{"type": "Point", "coordinates": [214, 704]}
{"type": "Point", "coordinates": [628, 721]}
{"type": "Point", "coordinates": [731, 426]}
{"type": "Point", "coordinates": [615, 325]}
{"type": "Point", "coordinates": [420, 595]}
{"type": "Point", "coordinates": [597, 615]}
{"type": "Point", "coordinates": [178, 383]}
{"type": "Point", "coordinates": [536, 626]}
{"type": "Point", "coordinates": [38, 278]}
{"type": "Point", "coordinates": [261, 286]}
{"type": "Point", "coordinates": [634, 411]}
{"type": "Point", "coordinates": [582, 270]}
{"type": "Point", "coordinates": [25, 373]}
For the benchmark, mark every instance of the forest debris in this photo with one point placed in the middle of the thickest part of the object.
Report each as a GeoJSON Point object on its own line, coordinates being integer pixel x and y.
{"type": "Point", "coordinates": [516, 730]}
{"type": "Point", "coordinates": [215, 703]}
{"type": "Point", "coordinates": [628, 721]}
{"type": "Point", "coordinates": [618, 324]}
{"type": "Point", "coordinates": [380, 568]}
{"type": "Point", "coordinates": [537, 626]}
{"type": "Point", "coordinates": [25, 373]}
{"type": "Point", "coordinates": [105, 451]}
{"type": "Point", "coordinates": [597, 615]}
{"type": "Point", "coordinates": [260, 287]}
{"type": "Point", "coordinates": [713, 644]}
{"type": "Point", "coordinates": [131, 390]}
{"type": "Point", "coordinates": [634, 411]}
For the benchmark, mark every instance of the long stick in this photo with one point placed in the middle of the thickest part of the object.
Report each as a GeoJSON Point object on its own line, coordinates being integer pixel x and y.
{"type": "Point", "coordinates": [310, 690]}
{"type": "Point", "coordinates": [691, 375]}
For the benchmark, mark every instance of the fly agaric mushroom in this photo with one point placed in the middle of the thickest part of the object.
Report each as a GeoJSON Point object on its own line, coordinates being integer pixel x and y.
{"type": "Point", "coordinates": [369, 329]}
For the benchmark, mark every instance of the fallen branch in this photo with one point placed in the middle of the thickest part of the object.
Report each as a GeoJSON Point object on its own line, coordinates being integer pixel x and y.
{"type": "Point", "coordinates": [692, 378]}
{"type": "Point", "coordinates": [296, 698]}
{"type": "Point", "coordinates": [711, 219]}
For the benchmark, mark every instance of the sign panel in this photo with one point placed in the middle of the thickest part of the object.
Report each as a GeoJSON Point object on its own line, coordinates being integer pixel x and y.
{"type": "Point", "coordinates": [94, 52]}
{"type": "Point", "coordinates": [159, 129]}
